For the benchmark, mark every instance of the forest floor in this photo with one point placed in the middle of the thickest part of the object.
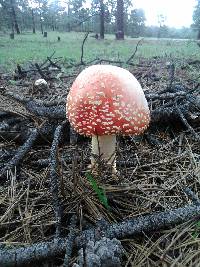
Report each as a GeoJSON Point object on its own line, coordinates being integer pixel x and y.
{"type": "Point", "coordinates": [158, 172]}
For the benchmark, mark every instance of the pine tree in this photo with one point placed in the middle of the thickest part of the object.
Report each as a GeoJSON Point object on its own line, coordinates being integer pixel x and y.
{"type": "Point", "coordinates": [120, 20]}
{"type": "Point", "coordinates": [196, 19]}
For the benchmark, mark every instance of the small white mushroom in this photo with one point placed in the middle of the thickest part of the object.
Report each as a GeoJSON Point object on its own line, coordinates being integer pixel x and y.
{"type": "Point", "coordinates": [40, 86]}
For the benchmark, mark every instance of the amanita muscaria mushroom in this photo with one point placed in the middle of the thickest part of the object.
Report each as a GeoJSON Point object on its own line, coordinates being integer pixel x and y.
{"type": "Point", "coordinates": [105, 101]}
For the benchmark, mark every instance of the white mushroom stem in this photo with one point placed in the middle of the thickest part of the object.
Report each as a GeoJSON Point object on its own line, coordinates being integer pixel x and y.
{"type": "Point", "coordinates": [105, 147]}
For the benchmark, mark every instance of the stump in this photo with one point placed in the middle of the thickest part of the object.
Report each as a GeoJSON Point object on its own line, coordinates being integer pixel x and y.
{"type": "Point", "coordinates": [119, 35]}
{"type": "Point", "coordinates": [12, 35]}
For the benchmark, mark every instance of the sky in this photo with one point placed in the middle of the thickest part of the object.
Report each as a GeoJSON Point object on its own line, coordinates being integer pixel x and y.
{"type": "Point", "coordinates": [178, 12]}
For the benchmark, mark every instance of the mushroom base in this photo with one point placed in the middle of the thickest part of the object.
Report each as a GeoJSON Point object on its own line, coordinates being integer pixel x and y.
{"type": "Point", "coordinates": [103, 148]}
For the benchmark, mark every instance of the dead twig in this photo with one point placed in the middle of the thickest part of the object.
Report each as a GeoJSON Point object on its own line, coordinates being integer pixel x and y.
{"type": "Point", "coordinates": [21, 72]}
{"type": "Point", "coordinates": [82, 48]}
{"type": "Point", "coordinates": [50, 57]}
{"type": "Point", "coordinates": [136, 48]}
{"type": "Point", "coordinates": [53, 63]}
{"type": "Point", "coordinates": [185, 122]}
{"type": "Point", "coordinates": [40, 71]}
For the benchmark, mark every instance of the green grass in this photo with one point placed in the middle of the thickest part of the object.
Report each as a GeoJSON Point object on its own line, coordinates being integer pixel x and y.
{"type": "Point", "coordinates": [28, 47]}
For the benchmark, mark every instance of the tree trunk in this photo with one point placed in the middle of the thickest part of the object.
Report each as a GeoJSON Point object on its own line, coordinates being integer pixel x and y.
{"type": "Point", "coordinates": [14, 17]}
{"type": "Point", "coordinates": [41, 24]}
{"type": "Point", "coordinates": [69, 15]}
{"type": "Point", "coordinates": [198, 34]}
{"type": "Point", "coordinates": [159, 32]}
{"type": "Point", "coordinates": [12, 27]}
{"type": "Point", "coordinates": [33, 20]}
{"type": "Point", "coordinates": [53, 24]}
{"type": "Point", "coordinates": [102, 15]}
{"type": "Point", "coordinates": [120, 20]}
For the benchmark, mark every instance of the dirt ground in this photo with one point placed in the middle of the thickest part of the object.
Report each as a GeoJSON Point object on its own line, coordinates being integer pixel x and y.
{"type": "Point", "coordinates": [154, 169]}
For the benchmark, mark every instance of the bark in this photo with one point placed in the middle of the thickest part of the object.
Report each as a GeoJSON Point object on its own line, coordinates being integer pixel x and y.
{"type": "Point", "coordinates": [120, 20]}
{"type": "Point", "coordinates": [135, 226]}
{"type": "Point", "coordinates": [54, 112]}
{"type": "Point", "coordinates": [14, 17]}
{"type": "Point", "coordinates": [25, 255]}
{"type": "Point", "coordinates": [68, 25]}
{"type": "Point", "coordinates": [46, 129]}
{"type": "Point", "coordinates": [33, 20]}
{"type": "Point", "coordinates": [22, 151]}
{"type": "Point", "coordinates": [55, 180]}
{"type": "Point", "coordinates": [185, 122]}
{"type": "Point", "coordinates": [70, 240]}
{"type": "Point", "coordinates": [41, 24]}
{"type": "Point", "coordinates": [141, 224]}
{"type": "Point", "coordinates": [198, 34]}
{"type": "Point", "coordinates": [104, 252]}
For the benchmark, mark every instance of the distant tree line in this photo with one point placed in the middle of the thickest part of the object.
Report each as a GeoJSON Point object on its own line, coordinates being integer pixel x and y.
{"type": "Point", "coordinates": [103, 16]}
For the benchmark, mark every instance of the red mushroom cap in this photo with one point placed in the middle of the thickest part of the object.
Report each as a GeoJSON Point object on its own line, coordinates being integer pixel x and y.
{"type": "Point", "coordinates": [107, 100]}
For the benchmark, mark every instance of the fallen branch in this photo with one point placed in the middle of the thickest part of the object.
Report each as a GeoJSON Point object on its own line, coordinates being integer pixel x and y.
{"type": "Point", "coordinates": [163, 115]}
{"type": "Point", "coordinates": [165, 96]}
{"type": "Point", "coordinates": [185, 122]}
{"type": "Point", "coordinates": [104, 252]}
{"type": "Point", "coordinates": [136, 226]}
{"type": "Point", "coordinates": [136, 48]}
{"type": "Point", "coordinates": [48, 250]}
{"type": "Point", "coordinates": [82, 47]}
{"type": "Point", "coordinates": [25, 148]}
{"type": "Point", "coordinates": [7, 102]}
{"type": "Point", "coordinates": [22, 151]}
{"type": "Point", "coordinates": [53, 112]}
{"type": "Point", "coordinates": [192, 196]}
{"type": "Point", "coordinates": [55, 184]}
{"type": "Point", "coordinates": [37, 252]}
{"type": "Point", "coordinates": [70, 241]}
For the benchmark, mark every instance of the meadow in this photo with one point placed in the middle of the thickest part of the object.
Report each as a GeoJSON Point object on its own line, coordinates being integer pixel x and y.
{"type": "Point", "coordinates": [28, 47]}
